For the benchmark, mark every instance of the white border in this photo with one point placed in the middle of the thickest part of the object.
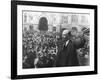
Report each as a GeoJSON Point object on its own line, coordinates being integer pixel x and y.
{"type": "Point", "coordinates": [21, 71]}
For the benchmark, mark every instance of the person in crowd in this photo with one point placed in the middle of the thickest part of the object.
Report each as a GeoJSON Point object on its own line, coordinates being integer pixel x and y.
{"type": "Point", "coordinates": [71, 42]}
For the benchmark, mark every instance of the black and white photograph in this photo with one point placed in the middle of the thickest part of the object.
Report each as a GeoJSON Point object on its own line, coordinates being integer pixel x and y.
{"type": "Point", "coordinates": [53, 39]}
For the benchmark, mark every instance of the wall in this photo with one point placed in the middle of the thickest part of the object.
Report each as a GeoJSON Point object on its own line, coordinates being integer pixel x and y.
{"type": "Point", "coordinates": [5, 40]}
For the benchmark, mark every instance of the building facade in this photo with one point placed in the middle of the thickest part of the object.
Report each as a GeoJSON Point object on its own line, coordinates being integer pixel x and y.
{"type": "Point", "coordinates": [56, 21]}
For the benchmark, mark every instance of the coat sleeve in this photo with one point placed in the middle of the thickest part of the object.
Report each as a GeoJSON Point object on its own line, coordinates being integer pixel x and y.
{"type": "Point", "coordinates": [79, 42]}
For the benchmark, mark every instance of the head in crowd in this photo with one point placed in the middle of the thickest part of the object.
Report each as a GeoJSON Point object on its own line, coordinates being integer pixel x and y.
{"type": "Point", "coordinates": [64, 33]}
{"type": "Point", "coordinates": [74, 31]}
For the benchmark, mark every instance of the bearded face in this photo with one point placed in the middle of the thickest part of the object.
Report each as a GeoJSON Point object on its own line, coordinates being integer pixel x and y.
{"type": "Point", "coordinates": [63, 35]}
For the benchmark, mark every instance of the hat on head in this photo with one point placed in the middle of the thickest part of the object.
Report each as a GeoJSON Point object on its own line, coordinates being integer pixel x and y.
{"type": "Point", "coordinates": [74, 28]}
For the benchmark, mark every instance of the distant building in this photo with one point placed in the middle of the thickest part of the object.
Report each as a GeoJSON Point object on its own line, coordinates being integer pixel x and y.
{"type": "Point", "coordinates": [55, 21]}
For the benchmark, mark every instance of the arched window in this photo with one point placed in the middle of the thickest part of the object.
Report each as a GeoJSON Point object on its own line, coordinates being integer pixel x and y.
{"type": "Point", "coordinates": [43, 24]}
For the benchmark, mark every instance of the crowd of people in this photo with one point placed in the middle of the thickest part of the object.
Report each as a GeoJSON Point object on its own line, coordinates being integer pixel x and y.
{"type": "Point", "coordinates": [40, 49]}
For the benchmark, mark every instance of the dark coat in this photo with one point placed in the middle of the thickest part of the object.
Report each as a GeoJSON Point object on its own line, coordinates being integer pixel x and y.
{"type": "Point", "coordinates": [68, 56]}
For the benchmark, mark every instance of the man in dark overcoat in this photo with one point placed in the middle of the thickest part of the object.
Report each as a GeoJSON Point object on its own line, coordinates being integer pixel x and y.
{"type": "Point", "coordinates": [68, 55]}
